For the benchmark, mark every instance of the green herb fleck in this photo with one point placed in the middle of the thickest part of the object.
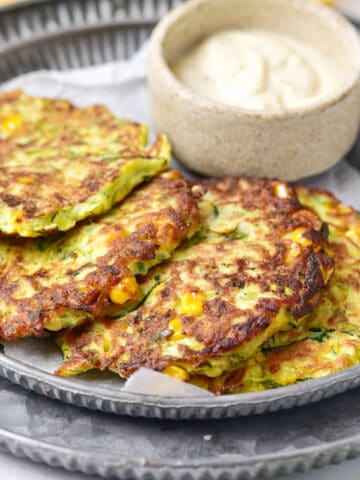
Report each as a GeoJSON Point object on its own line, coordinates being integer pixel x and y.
{"type": "Point", "coordinates": [141, 268]}
{"type": "Point", "coordinates": [298, 380]}
{"type": "Point", "coordinates": [325, 230]}
{"type": "Point", "coordinates": [41, 246]}
{"type": "Point", "coordinates": [66, 254]}
{"type": "Point", "coordinates": [241, 235]}
{"type": "Point", "coordinates": [319, 335]}
{"type": "Point", "coordinates": [215, 209]}
{"type": "Point", "coordinates": [270, 383]}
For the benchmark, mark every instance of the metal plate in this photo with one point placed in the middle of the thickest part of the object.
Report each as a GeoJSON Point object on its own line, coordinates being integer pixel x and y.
{"type": "Point", "coordinates": [122, 447]}
{"type": "Point", "coordinates": [110, 398]}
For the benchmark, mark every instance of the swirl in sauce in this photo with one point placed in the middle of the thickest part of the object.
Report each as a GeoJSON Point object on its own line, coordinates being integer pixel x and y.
{"type": "Point", "coordinates": [257, 69]}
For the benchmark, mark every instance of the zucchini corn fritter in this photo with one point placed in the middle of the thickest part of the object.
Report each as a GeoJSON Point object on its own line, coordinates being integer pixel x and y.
{"type": "Point", "coordinates": [58, 282]}
{"type": "Point", "coordinates": [328, 339]}
{"type": "Point", "coordinates": [256, 266]}
{"type": "Point", "coordinates": [60, 164]}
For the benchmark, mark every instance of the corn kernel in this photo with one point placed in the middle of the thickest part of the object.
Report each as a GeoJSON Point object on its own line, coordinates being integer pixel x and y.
{"type": "Point", "coordinates": [291, 252]}
{"type": "Point", "coordinates": [122, 293]}
{"type": "Point", "coordinates": [176, 372]}
{"type": "Point", "coordinates": [118, 235]}
{"type": "Point", "coordinates": [175, 326]}
{"type": "Point", "coordinates": [329, 3]}
{"type": "Point", "coordinates": [11, 123]}
{"type": "Point", "coordinates": [171, 174]}
{"type": "Point", "coordinates": [354, 235]}
{"type": "Point", "coordinates": [281, 190]}
{"type": "Point", "coordinates": [176, 336]}
{"type": "Point", "coordinates": [344, 209]}
{"type": "Point", "coordinates": [192, 303]}
{"type": "Point", "coordinates": [288, 291]}
{"type": "Point", "coordinates": [83, 288]}
{"type": "Point", "coordinates": [25, 179]}
{"type": "Point", "coordinates": [63, 104]}
{"type": "Point", "coordinates": [297, 237]}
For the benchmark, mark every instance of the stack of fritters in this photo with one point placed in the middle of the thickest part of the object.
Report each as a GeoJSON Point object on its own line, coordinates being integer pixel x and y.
{"type": "Point", "coordinates": [327, 340]}
{"type": "Point", "coordinates": [228, 284]}
{"type": "Point", "coordinates": [59, 165]}
{"type": "Point", "coordinates": [256, 266]}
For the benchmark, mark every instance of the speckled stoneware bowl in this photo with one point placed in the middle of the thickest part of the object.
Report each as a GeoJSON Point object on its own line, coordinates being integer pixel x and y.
{"type": "Point", "coordinates": [216, 139]}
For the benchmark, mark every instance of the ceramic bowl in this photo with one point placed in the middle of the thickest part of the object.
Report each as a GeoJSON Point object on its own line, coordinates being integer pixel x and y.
{"type": "Point", "coordinates": [216, 139]}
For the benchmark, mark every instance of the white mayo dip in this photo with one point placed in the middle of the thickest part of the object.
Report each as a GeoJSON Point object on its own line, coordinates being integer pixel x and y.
{"type": "Point", "coordinates": [257, 69]}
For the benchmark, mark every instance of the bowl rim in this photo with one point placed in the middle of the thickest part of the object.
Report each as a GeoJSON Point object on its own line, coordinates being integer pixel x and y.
{"type": "Point", "coordinates": [333, 18]}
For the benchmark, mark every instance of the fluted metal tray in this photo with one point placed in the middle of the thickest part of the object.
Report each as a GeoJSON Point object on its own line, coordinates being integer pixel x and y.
{"type": "Point", "coordinates": [245, 448]}
{"type": "Point", "coordinates": [73, 33]}
{"type": "Point", "coordinates": [59, 34]}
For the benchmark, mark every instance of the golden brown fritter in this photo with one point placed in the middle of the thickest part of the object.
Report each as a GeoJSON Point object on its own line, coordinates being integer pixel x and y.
{"type": "Point", "coordinates": [60, 164]}
{"type": "Point", "coordinates": [257, 264]}
{"type": "Point", "coordinates": [61, 281]}
{"type": "Point", "coordinates": [328, 339]}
